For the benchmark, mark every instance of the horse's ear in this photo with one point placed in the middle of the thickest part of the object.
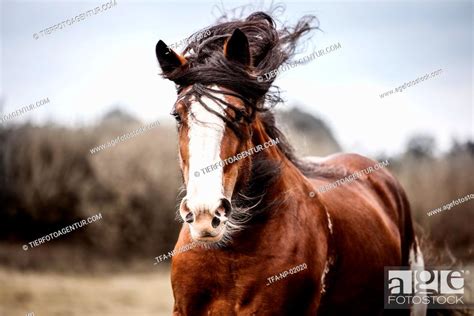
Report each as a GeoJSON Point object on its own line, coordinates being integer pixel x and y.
{"type": "Point", "coordinates": [167, 58]}
{"type": "Point", "coordinates": [236, 48]}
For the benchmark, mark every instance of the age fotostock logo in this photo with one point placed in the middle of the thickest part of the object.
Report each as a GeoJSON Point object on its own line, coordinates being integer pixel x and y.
{"type": "Point", "coordinates": [435, 288]}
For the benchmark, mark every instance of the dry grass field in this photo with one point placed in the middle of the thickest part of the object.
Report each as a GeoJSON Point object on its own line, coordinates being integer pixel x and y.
{"type": "Point", "coordinates": [53, 294]}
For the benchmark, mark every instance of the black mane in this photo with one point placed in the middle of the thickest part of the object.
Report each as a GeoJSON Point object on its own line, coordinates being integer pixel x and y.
{"type": "Point", "coordinates": [270, 48]}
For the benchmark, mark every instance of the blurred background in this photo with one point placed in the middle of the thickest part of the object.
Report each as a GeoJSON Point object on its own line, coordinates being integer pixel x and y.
{"type": "Point", "coordinates": [102, 81]}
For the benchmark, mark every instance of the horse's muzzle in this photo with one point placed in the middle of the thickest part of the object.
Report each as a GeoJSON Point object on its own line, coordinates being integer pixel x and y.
{"type": "Point", "coordinates": [206, 224]}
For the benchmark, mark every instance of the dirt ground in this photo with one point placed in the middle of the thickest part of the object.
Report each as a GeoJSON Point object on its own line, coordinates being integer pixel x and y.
{"type": "Point", "coordinates": [55, 294]}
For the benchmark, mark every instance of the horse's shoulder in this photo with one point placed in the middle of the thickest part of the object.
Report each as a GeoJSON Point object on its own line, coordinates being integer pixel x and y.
{"type": "Point", "coordinates": [350, 161]}
{"type": "Point", "coordinates": [339, 164]}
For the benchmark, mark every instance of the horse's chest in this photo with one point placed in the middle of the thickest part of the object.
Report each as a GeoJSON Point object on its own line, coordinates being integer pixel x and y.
{"type": "Point", "coordinates": [228, 290]}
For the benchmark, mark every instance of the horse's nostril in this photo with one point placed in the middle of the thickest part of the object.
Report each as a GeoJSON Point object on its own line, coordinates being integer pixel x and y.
{"type": "Point", "coordinates": [189, 217]}
{"type": "Point", "coordinates": [215, 222]}
{"type": "Point", "coordinates": [206, 234]}
{"type": "Point", "coordinates": [227, 207]}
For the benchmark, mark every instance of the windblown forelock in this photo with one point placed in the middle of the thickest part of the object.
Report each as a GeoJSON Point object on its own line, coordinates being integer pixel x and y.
{"type": "Point", "coordinates": [198, 91]}
{"type": "Point", "coordinates": [269, 49]}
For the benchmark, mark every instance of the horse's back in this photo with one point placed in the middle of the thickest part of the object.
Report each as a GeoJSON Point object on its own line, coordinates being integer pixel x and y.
{"type": "Point", "coordinates": [366, 187]}
{"type": "Point", "coordinates": [352, 175]}
{"type": "Point", "coordinates": [370, 218]}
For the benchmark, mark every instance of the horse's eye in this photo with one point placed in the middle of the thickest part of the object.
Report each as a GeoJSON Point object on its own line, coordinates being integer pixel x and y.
{"type": "Point", "coordinates": [239, 116]}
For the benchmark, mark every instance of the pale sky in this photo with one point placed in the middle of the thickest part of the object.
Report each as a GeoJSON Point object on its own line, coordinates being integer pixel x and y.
{"type": "Point", "coordinates": [107, 59]}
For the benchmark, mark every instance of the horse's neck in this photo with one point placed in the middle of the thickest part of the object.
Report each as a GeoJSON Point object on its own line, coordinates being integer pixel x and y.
{"type": "Point", "coordinates": [275, 182]}
{"type": "Point", "coordinates": [278, 212]}
{"type": "Point", "coordinates": [273, 165]}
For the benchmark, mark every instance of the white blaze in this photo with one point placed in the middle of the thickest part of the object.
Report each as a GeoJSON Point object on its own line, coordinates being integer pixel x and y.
{"type": "Point", "coordinates": [206, 131]}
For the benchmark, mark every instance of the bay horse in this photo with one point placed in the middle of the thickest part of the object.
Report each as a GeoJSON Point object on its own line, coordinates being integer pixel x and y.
{"type": "Point", "coordinates": [261, 213]}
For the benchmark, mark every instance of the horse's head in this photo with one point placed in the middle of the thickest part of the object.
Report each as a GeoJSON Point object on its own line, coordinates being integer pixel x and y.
{"type": "Point", "coordinates": [213, 125]}
{"type": "Point", "coordinates": [217, 114]}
